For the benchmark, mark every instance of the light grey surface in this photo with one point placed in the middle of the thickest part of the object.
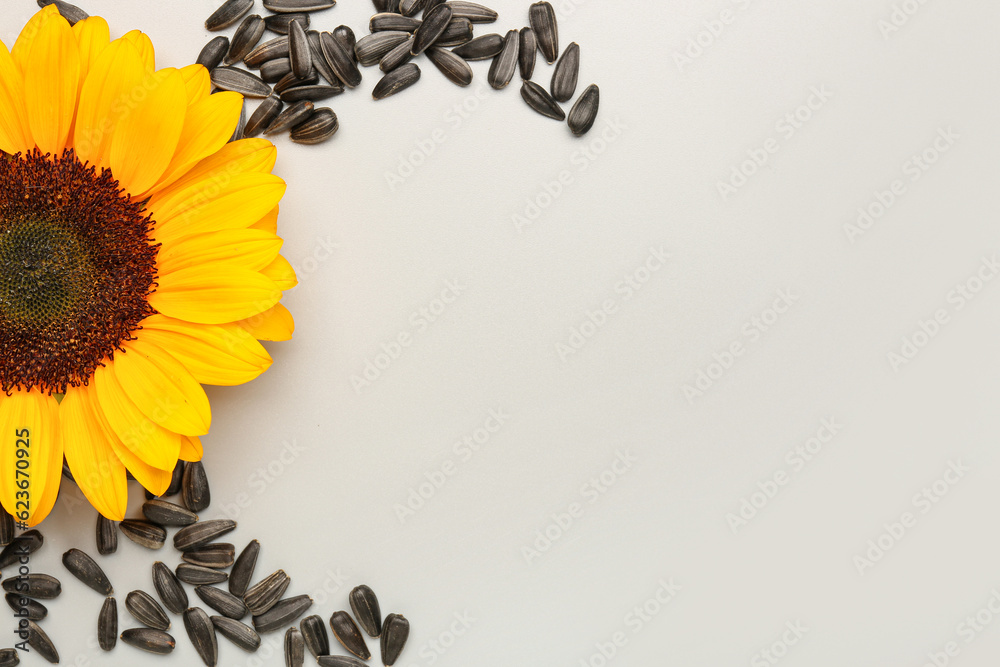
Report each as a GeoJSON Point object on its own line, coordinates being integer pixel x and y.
{"type": "Point", "coordinates": [342, 460]}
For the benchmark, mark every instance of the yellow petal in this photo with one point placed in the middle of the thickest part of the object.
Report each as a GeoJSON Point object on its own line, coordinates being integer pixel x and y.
{"type": "Point", "coordinates": [191, 449]}
{"type": "Point", "coordinates": [98, 471]}
{"type": "Point", "coordinates": [51, 84]}
{"type": "Point", "coordinates": [281, 272]}
{"type": "Point", "coordinates": [208, 125]}
{"type": "Point", "coordinates": [275, 323]}
{"type": "Point", "coordinates": [269, 223]}
{"type": "Point", "coordinates": [147, 440]}
{"type": "Point", "coordinates": [31, 450]}
{"type": "Point", "coordinates": [15, 135]}
{"type": "Point", "coordinates": [111, 88]}
{"type": "Point", "coordinates": [224, 354]}
{"type": "Point", "coordinates": [247, 155]}
{"type": "Point", "coordinates": [144, 45]}
{"type": "Point", "coordinates": [246, 248]}
{"type": "Point", "coordinates": [214, 294]}
{"type": "Point", "coordinates": [162, 388]}
{"type": "Point", "coordinates": [197, 81]}
{"type": "Point", "coordinates": [93, 36]}
{"type": "Point", "coordinates": [146, 137]}
{"type": "Point", "coordinates": [22, 47]}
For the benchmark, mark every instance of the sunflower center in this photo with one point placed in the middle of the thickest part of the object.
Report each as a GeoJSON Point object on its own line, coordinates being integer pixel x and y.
{"type": "Point", "coordinates": [76, 270]}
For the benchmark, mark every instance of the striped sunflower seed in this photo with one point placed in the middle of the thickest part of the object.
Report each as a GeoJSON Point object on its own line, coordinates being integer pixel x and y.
{"type": "Point", "coordinates": [295, 654]}
{"type": "Point", "coordinates": [542, 18]}
{"type": "Point", "coordinates": [291, 81]}
{"type": "Point", "coordinates": [372, 48]}
{"type": "Point", "coordinates": [503, 66]}
{"type": "Point", "coordinates": [178, 476]}
{"type": "Point", "coordinates": [339, 661]}
{"type": "Point", "coordinates": [364, 604]}
{"type": "Point", "coordinates": [201, 533]}
{"type": "Point", "coordinates": [26, 607]}
{"type": "Point", "coordinates": [410, 7]}
{"type": "Point", "coordinates": [245, 38]}
{"type": "Point", "coordinates": [480, 48]}
{"type": "Point", "coordinates": [314, 635]}
{"type": "Point", "coordinates": [292, 6]}
{"type": "Point", "coordinates": [201, 631]}
{"type": "Point", "coordinates": [283, 613]}
{"type": "Point", "coordinates": [222, 601]}
{"type": "Point", "coordinates": [431, 4]}
{"type": "Point", "coordinates": [217, 554]}
{"type": "Point", "coordinates": [527, 49]}
{"type": "Point", "coordinates": [24, 544]}
{"type": "Point", "coordinates": [339, 60]}
{"type": "Point", "coordinates": [472, 11]}
{"type": "Point", "coordinates": [458, 32]}
{"type": "Point", "coordinates": [347, 633]}
{"type": "Point", "coordinates": [398, 79]}
{"type": "Point", "coordinates": [318, 61]}
{"type": "Point", "coordinates": [395, 630]}
{"type": "Point", "coordinates": [275, 70]}
{"type": "Point", "coordinates": [148, 639]}
{"type": "Point", "coordinates": [248, 85]}
{"type": "Point", "coordinates": [8, 657]}
{"type": "Point", "coordinates": [34, 585]}
{"type": "Point", "coordinates": [107, 535]}
{"type": "Point", "coordinates": [310, 93]}
{"type": "Point", "coordinates": [146, 610]}
{"type": "Point", "coordinates": [166, 513]}
{"type": "Point", "coordinates": [432, 27]}
{"type": "Point", "coordinates": [279, 22]}
{"type": "Point", "coordinates": [107, 625]}
{"type": "Point", "coordinates": [584, 111]}
{"type": "Point", "coordinates": [269, 50]}
{"type": "Point", "coordinates": [244, 567]}
{"type": "Point", "coordinates": [199, 576]}
{"type": "Point", "coordinates": [299, 53]}
{"type": "Point", "coordinates": [345, 36]}
{"type": "Point", "coordinates": [265, 593]}
{"type": "Point", "coordinates": [86, 570]}
{"type": "Point", "coordinates": [169, 589]}
{"type": "Point", "coordinates": [229, 13]}
{"type": "Point", "coordinates": [238, 131]}
{"type": "Point", "coordinates": [565, 75]}
{"type": "Point", "coordinates": [322, 125]}
{"type": "Point", "coordinates": [238, 633]}
{"type": "Point", "coordinates": [452, 66]}
{"type": "Point", "coordinates": [6, 527]}
{"type": "Point", "coordinates": [195, 492]}
{"type": "Point", "coordinates": [290, 117]}
{"type": "Point", "coordinates": [38, 640]}
{"type": "Point", "coordinates": [71, 13]}
{"type": "Point", "coordinates": [210, 57]}
{"type": "Point", "coordinates": [399, 55]}
{"type": "Point", "coordinates": [389, 21]}
{"type": "Point", "coordinates": [539, 99]}
{"type": "Point", "coordinates": [144, 533]}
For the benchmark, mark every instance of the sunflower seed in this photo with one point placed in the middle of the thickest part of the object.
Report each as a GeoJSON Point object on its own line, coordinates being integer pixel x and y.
{"type": "Point", "coordinates": [310, 93]}
{"type": "Point", "coordinates": [34, 585]}
{"type": "Point", "coordinates": [283, 613]}
{"type": "Point", "coordinates": [395, 630]}
{"type": "Point", "coordinates": [222, 601]}
{"type": "Point", "coordinates": [194, 487]}
{"type": "Point", "coordinates": [542, 18]}
{"type": "Point", "coordinates": [431, 4]}
{"type": "Point", "coordinates": [398, 79]}
{"type": "Point", "coordinates": [71, 13]}
{"type": "Point", "coordinates": [26, 607]}
{"type": "Point", "coordinates": [539, 99]}
{"type": "Point", "coordinates": [291, 81]}
{"type": "Point", "coordinates": [565, 75]}
{"type": "Point", "coordinates": [6, 527]}
{"type": "Point", "coordinates": [279, 22]}
{"type": "Point", "coordinates": [322, 125]}
{"type": "Point", "coordinates": [229, 13]}
{"type": "Point", "coordinates": [339, 60]}
{"type": "Point", "coordinates": [458, 32]}
{"type": "Point", "coordinates": [243, 569]}
{"type": "Point", "coordinates": [201, 533]}
{"type": "Point", "coordinates": [299, 53]}
{"type": "Point", "coordinates": [472, 11]}
{"type": "Point", "coordinates": [381, 5]}
{"type": "Point", "coordinates": [197, 575]}
{"type": "Point", "coordinates": [146, 610]}
{"type": "Point", "coordinates": [169, 589]}
{"type": "Point", "coordinates": [345, 36]}
{"type": "Point", "coordinates": [527, 49]}
{"type": "Point", "coordinates": [245, 38]}
{"type": "Point", "coordinates": [238, 131]}
{"type": "Point", "coordinates": [364, 604]}
{"type": "Point", "coordinates": [107, 535]}
{"type": "Point", "coordinates": [38, 640]}
{"type": "Point", "coordinates": [23, 545]}
{"type": "Point", "coordinates": [107, 624]}
{"type": "Point", "coordinates": [201, 632]}
{"type": "Point", "coordinates": [481, 48]}
{"type": "Point", "coordinates": [584, 111]}
{"type": "Point", "coordinates": [217, 554]}
{"type": "Point", "coordinates": [347, 633]}
{"type": "Point", "coordinates": [269, 50]}
{"type": "Point", "coordinates": [502, 68]}
{"type": "Point", "coordinates": [290, 117]}
{"type": "Point", "coordinates": [314, 635]}
{"type": "Point", "coordinates": [318, 61]}
{"type": "Point", "coordinates": [86, 570]}
{"type": "Point", "coordinates": [339, 661]}
{"type": "Point", "coordinates": [431, 28]}
{"type": "Point", "coordinates": [148, 639]}
{"type": "Point", "coordinates": [291, 6]}
{"type": "Point", "coordinates": [238, 633]}
{"type": "Point", "coordinates": [144, 533]}
{"type": "Point", "coordinates": [166, 513]}
{"type": "Point", "coordinates": [389, 21]}
{"type": "Point", "coordinates": [265, 593]}
{"type": "Point", "coordinates": [410, 7]}
{"type": "Point", "coordinates": [453, 67]}
{"type": "Point", "coordinates": [275, 70]}
{"type": "Point", "coordinates": [294, 648]}
{"type": "Point", "coordinates": [210, 57]}
{"type": "Point", "coordinates": [8, 657]}
{"type": "Point", "coordinates": [372, 48]}
{"type": "Point", "coordinates": [397, 56]}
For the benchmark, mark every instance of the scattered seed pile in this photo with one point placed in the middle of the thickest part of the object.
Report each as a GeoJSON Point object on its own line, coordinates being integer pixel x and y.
{"type": "Point", "coordinates": [204, 564]}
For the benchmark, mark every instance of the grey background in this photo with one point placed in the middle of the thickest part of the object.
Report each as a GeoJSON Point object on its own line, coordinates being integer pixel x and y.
{"type": "Point", "coordinates": [329, 512]}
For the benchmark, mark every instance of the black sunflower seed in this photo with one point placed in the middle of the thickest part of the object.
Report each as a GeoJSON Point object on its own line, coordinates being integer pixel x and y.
{"type": "Point", "coordinates": [71, 13]}
{"type": "Point", "coordinates": [539, 99]}
{"type": "Point", "coordinates": [86, 570]}
{"type": "Point", "coordinates": [566, 72]}
{"type": "Point", "coordinates": [144, 533]}
{"type": "Point", "coordinates": [364, 604]}
{"type": "Point", "coordinates": [299, 53]}
{"type": "Point", "coordinates": [34, 585]}
{"type": "Point", "coordinates": [542, 18]}
{"type": "Point", "coordinates": [372, 48]}
{"type": "Point", "coordinates": [283, 613]}
{"type": "Point", "coordinates": [201, 533]}
{"type": "Point", "coordinates": [169, 589]}
{"type": "Point", "coordinates": [146, 610]}
{"type": "Point", "coordinates": [107, 535]}
{"type": "Point", "coordinates": [6, 527]}
{"type": "Point", "coordinates": [347, 633]}
{"type": "Point", "coordinates": [148, 639]}
{"type": "Point", "coordinates": [243, 569]}
{"type": "Point", "coordinates": [395, 630]}
{"type": "Point", "coordinates": [390, 21]}
{"type": "Point", "coordinates": [211, 57]}
{"type": "Point", "coordinates": [322, 125]}
{"type": "Point", "coordinates": [8, 657]}
{"type": "Point", "coordinates": [313, 93]}
{"type": "Point", "coordinates": [472, 11]}
{"type": "Point", "coordinates": [222, 601]}
{"type": "Point", "coordinates": [455, 68]}
{"type": "Point", "coordinates": [503, 66]}
{"type": "Point", "coordinates": [527, 49]}
{"type": "Point", "coordinates": [291, 6]}
{"type": "Point", "coordinates": [196, 493]}
{"type": "Point", "coordinates": [194, 487]}
{"type": "Point", "coordinates": [339, 60]}
{"type": "Point", "coordinates": [290, 117]}
{"type": "Point", "coordinates": [339, 661]}
{"type": "Point", "coordinates": [165, 513]}
{"type": "Point", "coordinates": [245, 38]}
{"type": "Point", "coordinates": [178, 476]}
{"type": "Point", "coordinates": [197, 575]}
{"type": "Point", "coordinates": [345, 36]}
{"type": "Point", "coordinates": [38, 640]}
{"type": "Point", "coordinates": [410, 7]}
{"type": "Point", "coordinates": [398, 79]}
{"type": "Point", "coordinates": [279, 22]}
{"type": "Point", "coordinates": [24, 544]}
{"type": "Point", "coordinates": [458, 32]}
{"type": "Point", "coordinates": [238, 131]}
{"type": "Point", "coordinates": [201, 631]}
{"type": "Point", "coordinates": [26, 607]}
{"type": "Point", "coordinates": [480, 48]}
{"type": "Point", "coordinates": [238, 633]}
{"type": "Point", "coordinates": [269, 50]}
{"type": "Point", "coordinates": [295, 654]}
{"type": "Point", "coordinates": [431, 4]}
{"type": "Point", "coordinates": [584, 111]}
{"type": "Point", "coordinates": [229, 13]}
{"type": "Point", "coordinates": [314, 635]}
{"type": "Point", "coordinates": [107, 625]}
{"type": "Point", "coordinates": [318, 61]}
{"type": "Point", "coordinates": [431, 28]}
{"type": "Point", "coordinates": [218, 554]}
{"type": "Point", "coordinates": [265, 593]}
{"type": "Point", "coordinates": [275, 70]}
{"type": "Point", "coordinates": [397, 56]}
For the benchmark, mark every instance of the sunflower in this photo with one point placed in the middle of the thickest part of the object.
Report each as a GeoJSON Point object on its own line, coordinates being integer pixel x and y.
{"type": "Point", "coordinates": [138, 261]}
